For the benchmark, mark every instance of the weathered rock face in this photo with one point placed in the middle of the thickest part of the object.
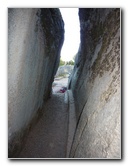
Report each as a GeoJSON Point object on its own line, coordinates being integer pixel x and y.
{"type": "Point", "coordinates": [34, 43]}
{"type": "Point", "coordinates": [63, 70]}
{"type": "Point", "coordinates": [95, 84]}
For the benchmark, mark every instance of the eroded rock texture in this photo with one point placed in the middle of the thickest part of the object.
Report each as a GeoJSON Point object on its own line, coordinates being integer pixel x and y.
{"type": "Point", "coordinates": [34, 44]}
{"type": "Point", "coordinates": [95, 83]}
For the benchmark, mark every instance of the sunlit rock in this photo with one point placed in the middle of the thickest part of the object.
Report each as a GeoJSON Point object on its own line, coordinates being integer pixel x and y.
{"type": "Point", "coordinates": [95, 83]}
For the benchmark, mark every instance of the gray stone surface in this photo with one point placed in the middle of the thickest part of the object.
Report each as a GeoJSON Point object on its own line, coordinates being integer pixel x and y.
{"type": "Point", "coordinates": [35, 37]}
{"type": "Point", "coordinates": [71, 121]}
{"type": "Point", "coordinates": [48, 138]}
{"type": "Point", "coordinates": [63, 70]}
{"type": "Point", "coordinates": [95, 83]}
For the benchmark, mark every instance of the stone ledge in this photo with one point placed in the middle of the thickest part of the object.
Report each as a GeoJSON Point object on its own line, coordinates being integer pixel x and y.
{"type": "Point", "coordinates": [71, 122]}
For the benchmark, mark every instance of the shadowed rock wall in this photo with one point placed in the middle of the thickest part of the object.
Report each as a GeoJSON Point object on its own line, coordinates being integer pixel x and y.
{"type": "Point", "coordinates": [95, 83]}
{"type": "Point", "coordinates": [35, 37]}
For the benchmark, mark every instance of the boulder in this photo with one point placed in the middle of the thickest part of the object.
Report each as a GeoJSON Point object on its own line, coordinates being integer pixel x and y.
{"type": "Point", "coordinates": [95, 82]}
{"type": "Point", "coordinates": [35, 38]}
{"type": "Point", "coordinates": [64, 70]}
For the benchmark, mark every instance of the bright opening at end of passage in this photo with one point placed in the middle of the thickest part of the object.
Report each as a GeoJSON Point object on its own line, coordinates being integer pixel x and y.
{"type": "Point", "coordinates": [72, 33]}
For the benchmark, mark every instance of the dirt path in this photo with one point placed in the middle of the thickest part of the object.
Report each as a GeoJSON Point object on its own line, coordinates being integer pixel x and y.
{"type": "Point", "coordinates": [48, 139]}
{"type": "Point", "coordinates": [59, 83]}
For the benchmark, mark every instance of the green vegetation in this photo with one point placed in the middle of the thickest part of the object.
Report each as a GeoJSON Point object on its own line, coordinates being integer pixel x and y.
{"type": "Point", "coordinates": [61, 62]}
{"type": "Point", "coordinates": [71, 62]}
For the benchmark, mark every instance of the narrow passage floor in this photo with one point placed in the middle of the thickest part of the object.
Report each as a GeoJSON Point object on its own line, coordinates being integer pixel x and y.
{"type": "Point", "coordinates": [48, 138]}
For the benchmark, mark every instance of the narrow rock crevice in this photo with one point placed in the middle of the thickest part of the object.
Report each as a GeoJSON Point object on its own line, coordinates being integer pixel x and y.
{"type": "Point", "coordinates": [83, 122]}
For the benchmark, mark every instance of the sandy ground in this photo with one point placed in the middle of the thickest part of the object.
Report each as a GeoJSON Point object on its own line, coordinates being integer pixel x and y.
{"type": "Point", "coordinates": [59, 83]}
{"type": "Point", "coordinates": [48, 138]}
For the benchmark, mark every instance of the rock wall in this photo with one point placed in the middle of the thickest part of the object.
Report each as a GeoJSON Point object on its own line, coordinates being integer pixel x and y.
{"type": "Point", "coordinates": [35, 37]}
{"type": "Point", "coordinates": [63, 70]}
{"type": "Point", "coordinates": [95, 83]}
